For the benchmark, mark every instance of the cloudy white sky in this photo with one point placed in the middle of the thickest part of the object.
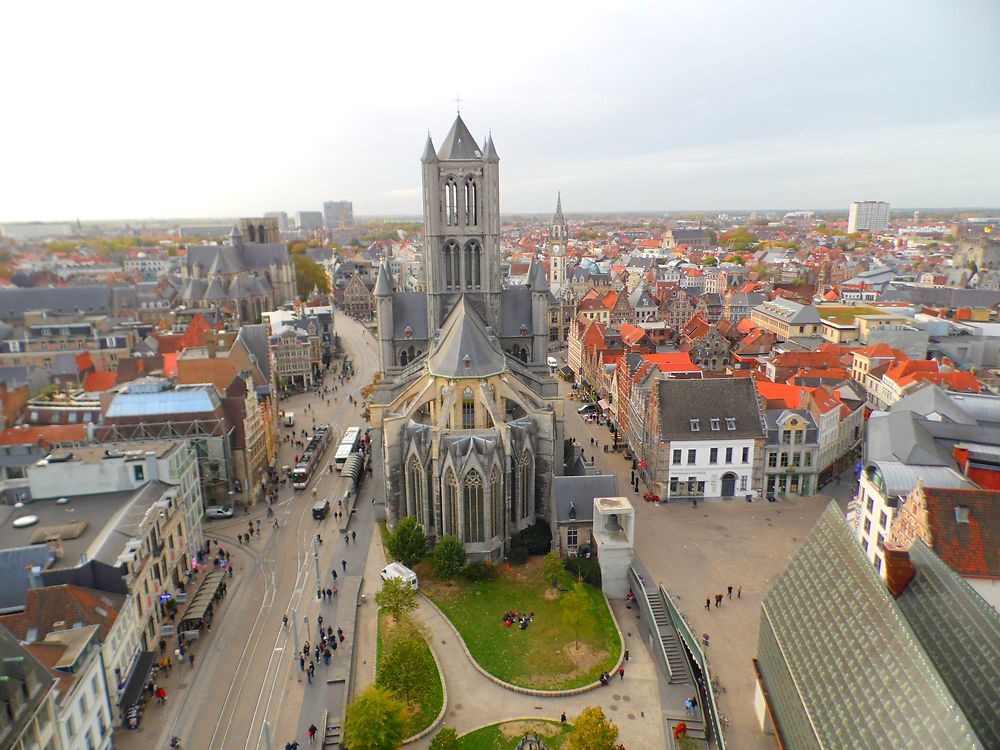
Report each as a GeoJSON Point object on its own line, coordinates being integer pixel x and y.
{"type": "Point", "coordinates": [212, 108]}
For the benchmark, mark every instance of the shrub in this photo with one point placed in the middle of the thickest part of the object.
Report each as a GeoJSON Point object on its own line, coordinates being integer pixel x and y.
{"type": "Point", "coordinates": [586, 568]}
{"type": "Point", "coordinates": [407, 542]}
{"type": "Point", "coordinates": [479, 572]}
{"type": "Point", "coordinates": [537, 538]}
{"type": "Point", "coordinates": [517, 555]}
{"type": "Point", "coordinates": [449, 557]}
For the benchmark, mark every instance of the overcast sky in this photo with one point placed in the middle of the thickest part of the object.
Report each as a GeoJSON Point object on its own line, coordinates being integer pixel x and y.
{"type": "Point", "coordinates": [210, 108]}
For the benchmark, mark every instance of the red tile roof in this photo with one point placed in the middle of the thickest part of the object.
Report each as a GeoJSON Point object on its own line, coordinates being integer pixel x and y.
{"type": "Point", "coordinates": [780, 395]}
{"type": "Point", "coordinates": [100, 380]}
{"type": "Point", "coordinates": [44, 435]}
{"type": "Point", "coordinates": [970, 549]}
{"type": "Point", "coordinates": [65, 603]}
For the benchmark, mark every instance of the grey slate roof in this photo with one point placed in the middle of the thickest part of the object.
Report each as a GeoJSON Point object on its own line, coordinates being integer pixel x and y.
{"type": "Point", "coordinates": [684, 400]}
{"type": "Point", "coordinates": [383, 284]}
{"type": "Point", "coordinates": [537, 280]}
{"type": "Point", "coordinates": [409, 309]}
{"type": "Point", "coordinates": [92, 299]}
{"type": "Point", "coordinates": [14, 562]}
{"type": "Point", "coordinates": [465, 349]}
{"type": "Point", "coordinates": [790, 312]}
{"type": "Point", "coordinates": [254, 338]}
{"type": "Point", "coordinates": [429, 155]}
{"type": "Point", "coordinates": [579, 492]}
{"type": "Point", "coordinates": [515, 311]}
{"type": "Point", "coordinates": [844, 667]}
{"type": "Point", "coordinates": [459, 143]}
{"type": "Point", "coordinates": [899, 479]}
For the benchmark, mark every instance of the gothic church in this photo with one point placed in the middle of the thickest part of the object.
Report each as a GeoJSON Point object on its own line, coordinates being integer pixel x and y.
{"type": "Point", "coordinates": [470, 420]}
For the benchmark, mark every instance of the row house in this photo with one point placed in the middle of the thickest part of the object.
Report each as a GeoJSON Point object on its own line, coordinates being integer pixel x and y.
{"type": "Point", "coordinates": [705, 438]}
{"type": "Point", "coordinates": [645, 307]}
{"type": "Point", "coordinates": [888, 382]}
{"type": "Point", "coordinates": [738, 305]}
{"type": "Point", "coordinates": [357, 300]}
{"type": "Point", "coordinates": [790, 461]}
{"type": "Point", "coordinates": [786, 318]}
{"type": "Point", "coordinates": [782, 366]}
{"type": "Point", "coordinates": [677, 307]}
{"type": "Point", "coordinates": [39, 344]}
{"type": "Point", "coordinates": [707, 347]}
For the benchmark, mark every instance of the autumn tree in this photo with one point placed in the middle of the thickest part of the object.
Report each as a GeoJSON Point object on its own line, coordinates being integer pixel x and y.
{"type": "Point", "coordinates": [592, 730]}
{"type": "Point", "coordinates": [397, 597]}
{"type": "Point", "coordinates": [553, 568]}
{"type": "Point", "coordinates": [309, 275]}
{"type": "Point", "coordinates": [375, 721]}
{"type": "Point", "coordinates": [395, 665]}
{"type": "Point", "coordinates": [576, 609]}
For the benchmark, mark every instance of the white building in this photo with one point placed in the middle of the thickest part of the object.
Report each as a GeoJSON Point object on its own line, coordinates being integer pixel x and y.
{"type": "Point", "coordinates": [868, 216]}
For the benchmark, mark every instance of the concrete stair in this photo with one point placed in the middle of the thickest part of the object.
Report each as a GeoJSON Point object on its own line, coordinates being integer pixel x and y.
{"type": "Point", "coordinates": [676, 660]}
{"type": "Point", "coordinates": [333, 734]}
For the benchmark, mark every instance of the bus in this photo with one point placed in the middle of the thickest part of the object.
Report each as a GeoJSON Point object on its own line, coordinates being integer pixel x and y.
{"type": "Point", "coordinates": [348, 444]}
{"type": "Point", "coordinates": [310, 460]}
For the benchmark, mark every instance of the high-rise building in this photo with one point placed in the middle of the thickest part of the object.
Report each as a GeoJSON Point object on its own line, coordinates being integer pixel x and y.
{"type": "Point", "coordinates": [338, 214]}
{"type": "Point", "coordinates": [868, 216]}
{"type": "Point", "coordinates": [309, 221]}
{"type": "Point", "coordinates": [282, 217]}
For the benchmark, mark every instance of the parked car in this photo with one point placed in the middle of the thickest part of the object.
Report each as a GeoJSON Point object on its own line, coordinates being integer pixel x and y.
{"type": "Point", "coordinates": [219, 511]}
{"type": "Point", "coordinates": [587, 409]}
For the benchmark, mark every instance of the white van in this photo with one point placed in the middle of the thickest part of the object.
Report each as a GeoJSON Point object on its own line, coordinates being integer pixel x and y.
{"type": "Point", "coordinates": [553, 363]}
{"type": "Point", "coordinates": [289, 419]}
{"type": "Point", "coordinates": [400, 571]}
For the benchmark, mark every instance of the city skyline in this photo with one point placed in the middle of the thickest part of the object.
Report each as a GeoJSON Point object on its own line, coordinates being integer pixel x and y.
{"type": "Point", "coordinates": [630, 109]}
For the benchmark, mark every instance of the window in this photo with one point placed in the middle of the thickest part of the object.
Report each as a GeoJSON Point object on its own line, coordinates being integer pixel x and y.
{"type": "Point", "coordinates": [496, 505]}
{"type": "Point", "coordinates": [743, 484]}
{"type": "Point", "coordinates": [883, 519]}
{"type": "Point", "coordinates": [786, 437]}
{"type": "Point", "coordinates": [692, 456]}
{"type": "Point", "coordinates": [417, 490]}
{"type": "Point", "coordinates": [799, 437]}
{"type": "Point", "coordinates": [695, 425]}
{"type": "Point", "coordinates": [772, 460]}
{"type": "Point", "coordinates": [881, 540]}
{"type": "Point", "coordinates": [730, 423]}
{"type": "Point", "coordinates": [138, 471]}
{"type": "Point", "coordinates": [468, 410]}
{"type": "Point", "coordinates": [526, 483]}
{"type": "Point", "coordinates": [451, 503]}
{"type": "Point", "coordinates": [868, 526]}
{"type": "Point", "coordinates": [796, 459]}
{"type": "Point", "coordinates": [714, 423]}
{"type": "Point", "coordinates": [472, 506]}
{"type": "Point", "coordinates": [677, 456]}
{"type": "Point", "coordinates": [808, 459]}
{"type": "Point", "coordinates": [870, 505]}
{"type": "Point", "coordinates": [729, 455]}
{"type": "Point", "coordinates": [784, 459]}
{"type": "Point", "coordinates": [673, 485]}
{"type": "Point", "coordinates": [746, 455]}
{"type": "Point", "coordinates": [713, 456]}
{"type": "Point", "coordinates": [878, 563]}
{"type": "Point", "coordinates": [571, 538]}
{"type": "Point", "coordinates": [70, 726]}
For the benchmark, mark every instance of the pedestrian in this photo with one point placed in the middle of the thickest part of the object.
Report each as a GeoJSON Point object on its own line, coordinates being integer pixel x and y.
{"type": "Point", "coordinates": [347, 539]}
{"type": "Point", "coordinates": [729, 591]}
{"type": "Point", "coordinates": [340, 635]}
{"type": "Point", "coordinates": [626, 654]}
{"type": "Point", "coordinates": [275, 523]}
{"type": "Point", "coordinates": [718, 600]}
{"type": "Point", "coordinates": [739, 592]}
{"type": "Point", "coordinates": [708, 604]}
{"type": "Point", "coordinates": [310, 672]}
{"type": "Point", "coordinates": [230, 570]}
{"type": "Point", "coordinates": [312, 734]}
{"type": "Point", "coordinates": [191, 660]}
{"type": "Point", "coordinates": [163, 646]}
{"type": "Point", "coordinates": [302, 663]}
{"type": "Point", "coordinates": [562, 719]}
{"type": "Point", "coordinates": [326, 657]}
{"type": "Point", "coordinates": [354, 535]}
{"type": "Point", "coordinates": [334, 573]}
{"type": "Point", "coordinates": [689, 707]}
{"type": "Point", "coordinates": [621, 673]}
{"type": "Point", "coordinates": [329, 594]}
{"type": "Point", "coordinates": [344, 564]}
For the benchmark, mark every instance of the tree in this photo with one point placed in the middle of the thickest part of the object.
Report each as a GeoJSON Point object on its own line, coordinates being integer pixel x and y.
{"type": "Point", "coordinates": [397, 597]}
{"type": "Point", "coordinates": [375, 721]}
{"type": "Point", "coordinates": [552, 567]}
{"type": "Point", "coordinates": [396, 664]}
{"type": "Point", "coordinates": [407, 542]}
{"type": "Point", "coordinates": [711, 260]}
{"type": "Point", "coordinates": [739, 239]}
{"type": "Point", "coordinates": [446, 739]}
{"type": "Point", "coordinates": [592, 730]}
{"type": "Point", "coordinates": [449, 557]}
{"type": "Point", "coordinates": [576, 610]}
{"type": "Point", "coordinates": [309, 275]}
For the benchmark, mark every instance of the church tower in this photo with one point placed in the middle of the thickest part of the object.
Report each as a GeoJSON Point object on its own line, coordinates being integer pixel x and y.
{"type": "Point", "coordinates": [461, 183]}
{"type": "Point", "coordinates": [558, 237]}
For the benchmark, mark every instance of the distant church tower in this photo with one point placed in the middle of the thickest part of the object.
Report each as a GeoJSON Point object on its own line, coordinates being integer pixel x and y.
{"type": "Point", "coordinates": [461, 184]}
{"type": "Point", "coordinates": [558, 237]}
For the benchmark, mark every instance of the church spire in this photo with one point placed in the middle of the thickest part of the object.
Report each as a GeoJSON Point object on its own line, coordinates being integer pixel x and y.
{"type": "Point", "coordinates": [558, 218]}
{"type": "Point", "coordinates": [430, 155]}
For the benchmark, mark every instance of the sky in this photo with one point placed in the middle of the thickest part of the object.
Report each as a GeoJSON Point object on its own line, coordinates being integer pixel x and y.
{"type": "Point", "coordinates": [215, 108]}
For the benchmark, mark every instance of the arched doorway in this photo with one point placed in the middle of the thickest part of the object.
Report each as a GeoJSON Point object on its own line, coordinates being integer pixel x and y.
{"type": "Point", "coordinates": [728, 484]}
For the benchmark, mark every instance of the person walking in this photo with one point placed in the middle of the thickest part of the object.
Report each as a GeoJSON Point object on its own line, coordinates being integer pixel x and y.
{"type": "Point", "coordinates": [708, 604]}
{"type": "Point", "coordinates": [718, 600]}
{"type": "Point", "coordinates": [729, 591]}
{"type": "Point", "coordinates": [309, 672]}
{"type": "Point", "coordinates": [354, 535]}
{"type": "Point", "coordinates": [191, 660]}
{"type": "Point", "coordinates": [739, 592]}
{"type": "Point", "coordinates": [621, 673]}
{"type": "Point", "coordinates": [302, 663]}
{"type": "Point", "coordinates": [334, 574]}
{"type": "Point", "coordinates": [340, 635]}
{"type": "Point", "coordinates": [312, 734]}
{"type": "Point", "coordinates": [626, 654]}
{"type": "Point", "coordinates": [562, 719]}
{"type": "Point", "coordinates": [344, 565]}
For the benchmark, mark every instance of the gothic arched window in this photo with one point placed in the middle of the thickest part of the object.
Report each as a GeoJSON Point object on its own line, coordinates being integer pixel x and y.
{"type": "Point", "coordinates": [250, 232]}
{"type": "Point", "coordinates": [404, 358]}
{"type": "Point", "coordinates": [468, 410]}
{"type": "Point", "coordinates": [452, 275]}
{"type": "Point", "coordinates": [496, 508]}
{"type": "Point", "coordinates": [450, 203]}
{"type": "Point", "coordinates": [525, 485]}
{"type": "Point", "coordinates": [473, 265]}
{"type": "Point", "coordinates": [417, 494]}
{"type": "Point", "coordinates": [472, 506]}
{"type": "Point", "coordinates": [451, 503]}
{"type": "Point", "coordinates": [471, 201]}
{"type": "Point", "coordinates": [524, 354]}
{"type": "Point", "coordinates": [260, 233]}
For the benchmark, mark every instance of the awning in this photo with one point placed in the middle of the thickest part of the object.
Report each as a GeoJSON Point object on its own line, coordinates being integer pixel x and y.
{"type": "Point", "coordinates": [203, 597]}
{"type": "Point", "coordinates": [129, 695]}
{"type": "Point", "coordinates": [566, 370]}
{"type": "Point", "coordinates": [352, 467]}
{"type": "Point", "coordinates": [604, 405]}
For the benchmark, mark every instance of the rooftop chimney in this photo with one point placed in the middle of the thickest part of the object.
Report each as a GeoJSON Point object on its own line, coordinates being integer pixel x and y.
{"type": "Point", "coordinates": [899, 570]}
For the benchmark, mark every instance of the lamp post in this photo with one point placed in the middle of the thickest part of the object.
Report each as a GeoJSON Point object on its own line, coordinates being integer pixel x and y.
{"type": "Point", "coordinates": [295, 640]}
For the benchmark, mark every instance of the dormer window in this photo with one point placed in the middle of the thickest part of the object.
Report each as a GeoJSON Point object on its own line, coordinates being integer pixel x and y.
{"type": "Point", "coordinates": [730, 423]}
{"type": "Point", "coordinates": [715, 423]}
{"type": "Point", "coordinates": [466, 360]}
{"type": "Point", "coordinates": [695, 425]}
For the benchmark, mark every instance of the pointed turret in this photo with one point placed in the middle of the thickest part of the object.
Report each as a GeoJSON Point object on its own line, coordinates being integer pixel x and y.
{"type": "Point", "coordinates": [236, 237]}
{"type": "Point", "coordinates": [490, 150]}
{"type": "Point", "coordinates": [459, 144]}
{"type": "Point", "coordinates": [559, 218]}
{"type": "Point", "coordinates": [429, 154]}
{"type": "Point", "coordinates": [383, 284]}
{"type": "Point", "coordinates": [536, 277]}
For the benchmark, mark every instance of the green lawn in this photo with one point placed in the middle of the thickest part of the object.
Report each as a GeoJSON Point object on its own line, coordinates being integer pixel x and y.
{"type": "Point", "coordinates": [505, 736]}
{"type": "Point", "coordinates": [422, 674]}
{"type": "Point", "coordinates": [545, 655]}
{"type": "Point", "coordinates": [843, 314]}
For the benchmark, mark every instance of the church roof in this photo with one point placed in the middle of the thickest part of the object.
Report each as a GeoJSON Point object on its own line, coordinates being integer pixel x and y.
{"type": "Point", "coordinates": [429, 155]}
{"type": "Point", "coordinates": [466, 349]}
{"type": "Point", "coordinates": [383, 284]}
{"type": "Point", "coordinates": [491, 151]}
{"type": "Point", "coordinates": [409, 310]}
{"type": "Point", "coordinates": [459, 143]}
{"type": "Point", "coordinates": [537, 280]}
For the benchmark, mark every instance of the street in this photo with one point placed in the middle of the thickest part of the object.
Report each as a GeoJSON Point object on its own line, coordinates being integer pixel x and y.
{"type": "Point", "coordinates": [246, 672]}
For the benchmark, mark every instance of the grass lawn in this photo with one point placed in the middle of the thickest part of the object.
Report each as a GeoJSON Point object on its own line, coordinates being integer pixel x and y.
{"type": "Point", "coordinates": [544, 656]}
{"type": "Point", "coordinates": [505, 736]}
{"type": "Point", "coordinates": [843, 314]}
{"type": "Point", "coordinates": [422, 674]}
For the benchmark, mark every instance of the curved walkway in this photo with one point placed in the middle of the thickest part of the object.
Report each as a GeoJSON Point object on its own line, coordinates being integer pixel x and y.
{"type": "Point", "coordinates": [474, 701]}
